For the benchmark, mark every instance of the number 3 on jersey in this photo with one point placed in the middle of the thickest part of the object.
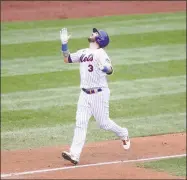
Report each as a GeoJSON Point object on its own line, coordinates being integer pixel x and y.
{"type": "Point", "coordinates": [90, 68]}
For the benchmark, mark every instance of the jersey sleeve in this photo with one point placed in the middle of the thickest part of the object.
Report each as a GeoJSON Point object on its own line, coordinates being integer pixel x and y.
{"type": "Point", "coordinates": [105, 60]}
{"type": "Point", "coordinates": [75, 57]}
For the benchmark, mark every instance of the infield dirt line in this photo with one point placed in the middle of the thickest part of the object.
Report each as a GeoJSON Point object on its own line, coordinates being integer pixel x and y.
{"type": "Point", "coordinates": [91, 165]}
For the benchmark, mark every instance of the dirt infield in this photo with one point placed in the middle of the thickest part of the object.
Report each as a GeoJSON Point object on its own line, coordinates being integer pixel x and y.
{"type": "Point", "coordinates": [107, 151]}
{"type": "Point", "coordinates": [49, 158]}
{"type": "Point", "coordinates": [37, 10]}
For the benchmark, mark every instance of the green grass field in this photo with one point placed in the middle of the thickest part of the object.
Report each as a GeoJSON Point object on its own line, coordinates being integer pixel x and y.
{"type": "Point", "coordinates": [40, 92]}
{"type": "Point", "coordinates": [174, 166]}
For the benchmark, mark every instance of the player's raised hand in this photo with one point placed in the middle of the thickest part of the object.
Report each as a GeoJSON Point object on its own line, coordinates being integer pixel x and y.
{"type": "Point", "coordinates": [64, 37]}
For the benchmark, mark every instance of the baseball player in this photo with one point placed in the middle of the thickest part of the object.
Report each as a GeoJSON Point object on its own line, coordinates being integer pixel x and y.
{"type": "Point", "coordinates": [95, 65]}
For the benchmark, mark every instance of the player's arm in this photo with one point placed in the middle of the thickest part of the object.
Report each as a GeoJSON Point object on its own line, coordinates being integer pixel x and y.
{"type": "Point", "coordinates": [68, 58]}
{"type": "Point", "coordinates": [106, 68]}
{"type": "Point", "coordinates": [71, 57]}
{"type": "Point", "coordinates": [65, 53]}
{"type": "Point", "coordinates": [104, 64]}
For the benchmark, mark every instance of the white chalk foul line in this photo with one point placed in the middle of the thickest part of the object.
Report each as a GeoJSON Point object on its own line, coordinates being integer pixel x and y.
{"type": "Point", "coordinates": [91, 165]}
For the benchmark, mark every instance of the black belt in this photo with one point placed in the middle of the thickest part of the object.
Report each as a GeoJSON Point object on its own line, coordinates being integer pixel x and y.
{"type": "Point", "coordinates": [91, 91]}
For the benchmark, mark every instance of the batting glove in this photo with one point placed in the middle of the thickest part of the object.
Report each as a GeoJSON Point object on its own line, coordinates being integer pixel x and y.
{"type": "Point", "coordinates": [64, 37]}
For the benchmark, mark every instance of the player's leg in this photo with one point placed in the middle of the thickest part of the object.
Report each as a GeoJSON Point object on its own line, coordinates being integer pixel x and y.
{"type": "Point", "coordinates": [83, 115]}
{"type": "Point", "coordinates": [100, 110]}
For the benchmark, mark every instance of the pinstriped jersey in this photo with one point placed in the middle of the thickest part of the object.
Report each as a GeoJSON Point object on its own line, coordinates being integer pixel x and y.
{"type": "Point", "coordinates": [90, 75]}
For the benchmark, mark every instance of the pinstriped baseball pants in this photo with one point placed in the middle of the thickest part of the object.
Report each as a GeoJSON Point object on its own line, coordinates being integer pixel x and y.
{"type": "Point", "coordinates": [96, 105]}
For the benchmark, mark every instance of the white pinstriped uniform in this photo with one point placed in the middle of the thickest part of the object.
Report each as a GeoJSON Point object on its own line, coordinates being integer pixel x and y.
{"type": "Point", "coordinates": [96, 104]}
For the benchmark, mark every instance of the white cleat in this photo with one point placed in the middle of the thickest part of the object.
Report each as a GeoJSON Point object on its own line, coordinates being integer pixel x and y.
{"type": "Point", "coordinates": [126, 143]}
{"type": "Point", "coordinates": [68, 156]}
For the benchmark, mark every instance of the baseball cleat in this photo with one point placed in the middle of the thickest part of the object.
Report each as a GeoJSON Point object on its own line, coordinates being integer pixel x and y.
{"type": "Point", "coordinates": [69, 157]}
{"type": "Point", "coordinates": [126, 143]}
